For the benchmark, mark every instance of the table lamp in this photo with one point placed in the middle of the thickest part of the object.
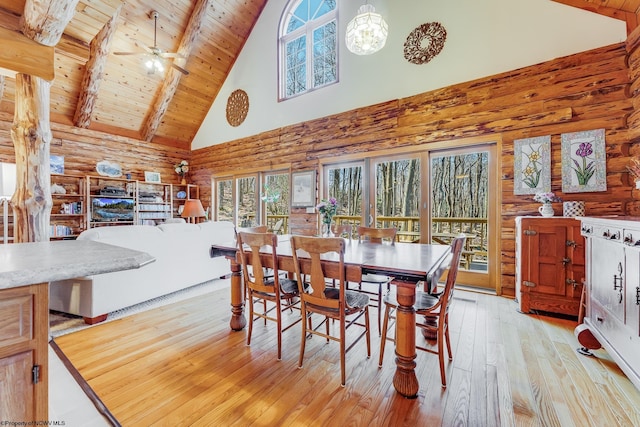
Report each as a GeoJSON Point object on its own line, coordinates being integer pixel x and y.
{"type": "Point", "coordinates": [7, 188]}
{"type": "Point", "coordinates": [192, 210]}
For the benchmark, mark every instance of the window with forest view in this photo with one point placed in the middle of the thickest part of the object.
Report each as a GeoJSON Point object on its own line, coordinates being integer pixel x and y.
{"type": "Point", "coordinates": [307, 47]}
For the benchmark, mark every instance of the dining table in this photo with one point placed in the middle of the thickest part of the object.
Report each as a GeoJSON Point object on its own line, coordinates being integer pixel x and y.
{"type": "Point", "coordinates": [409, 264]}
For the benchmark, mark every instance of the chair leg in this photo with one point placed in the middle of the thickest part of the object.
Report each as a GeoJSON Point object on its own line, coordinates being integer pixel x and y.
{"type": "Point", "coordinates": [446, 335]}
{"type": "Point", "coordinates": [441, 355]}
{"type": "Point", "coordinates": [343, 377]}
{"type": "Point", "coordinates": [250, 319]}
{"type": "Point", "coordinates": [303, 339]}
{"type": "Point", "coordinates": [368, 331]}
{"type": "Point", "coordinates": [383, 339]}
{"type": "Point", "coordinates": [379, 308]}
{"type": "Point", "coordinates": [279, 323]}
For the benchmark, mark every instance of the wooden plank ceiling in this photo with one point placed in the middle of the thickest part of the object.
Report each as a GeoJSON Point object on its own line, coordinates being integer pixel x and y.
{"type": "Point", "coordinates": [163, 108]}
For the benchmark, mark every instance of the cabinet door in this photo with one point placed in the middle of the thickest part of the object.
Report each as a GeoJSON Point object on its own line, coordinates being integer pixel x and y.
{"type": "Point", "coordinates": [547, 249]}
{"type": "Point", "coordinates": [607, 271]}
{"type": "Point", "coordinates": [16, 389]}
{"type": "Point", "coordinates": [632, 294]}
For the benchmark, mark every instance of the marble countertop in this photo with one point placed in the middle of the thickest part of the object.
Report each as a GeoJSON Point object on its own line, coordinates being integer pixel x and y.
{"type": "Point", "coordinates": [29, 263]}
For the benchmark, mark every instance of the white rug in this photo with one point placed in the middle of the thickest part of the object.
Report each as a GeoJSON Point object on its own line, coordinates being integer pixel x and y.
{"type": "Point", "coordinates": [62, 323]}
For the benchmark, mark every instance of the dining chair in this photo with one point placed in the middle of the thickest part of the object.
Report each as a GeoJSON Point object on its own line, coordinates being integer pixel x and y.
{"type": "Point", "coordinates": [277, 293]}
{"type": "Point", "coordinates": [331, 303]}
{"type": "Point", "coordinates": [376, 235]}
{"type": "Point", "coordinates": [432, 311]}
{"type": "Point", "coordinates": [342, 230]}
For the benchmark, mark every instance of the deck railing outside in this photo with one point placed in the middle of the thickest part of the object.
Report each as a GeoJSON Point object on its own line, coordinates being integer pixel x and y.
{"type": "Point", "coordinates": [444, 229]}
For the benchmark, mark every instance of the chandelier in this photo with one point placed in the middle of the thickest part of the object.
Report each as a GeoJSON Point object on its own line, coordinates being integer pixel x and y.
{"type": "Point", "coordinates": [367, 32]}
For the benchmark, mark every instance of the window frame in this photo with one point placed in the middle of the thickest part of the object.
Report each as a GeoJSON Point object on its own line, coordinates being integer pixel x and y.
{"type": "Point", "coordinates": [306, 30]}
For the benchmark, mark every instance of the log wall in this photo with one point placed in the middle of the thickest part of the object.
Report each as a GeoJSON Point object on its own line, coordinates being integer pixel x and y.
{"type": "Point", "coordinates": [83, 149]}
{"type": "Point", "coordinates": [586, 91]}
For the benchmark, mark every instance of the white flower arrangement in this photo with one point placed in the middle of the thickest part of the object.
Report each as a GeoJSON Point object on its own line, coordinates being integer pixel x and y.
{"type": "Point", "coordinates": [182, 168]}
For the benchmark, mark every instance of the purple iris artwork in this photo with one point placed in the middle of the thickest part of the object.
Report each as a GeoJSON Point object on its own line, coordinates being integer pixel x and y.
{"type": "Point", "coordinates": [584, 161]}
{"type": "Point", "coordinates": [585, 169]}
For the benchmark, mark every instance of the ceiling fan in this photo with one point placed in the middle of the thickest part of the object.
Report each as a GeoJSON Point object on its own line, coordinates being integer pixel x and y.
{"type": "Point", "coordinates": [156, 57]}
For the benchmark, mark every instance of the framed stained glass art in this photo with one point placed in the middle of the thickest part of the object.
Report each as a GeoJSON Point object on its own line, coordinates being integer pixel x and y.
{"type": "Point", "coordinates": [532, 165]}
{"type": "Point", "coordinates": [584, 165]}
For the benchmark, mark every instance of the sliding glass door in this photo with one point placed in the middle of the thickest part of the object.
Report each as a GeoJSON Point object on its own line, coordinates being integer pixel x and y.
{"type": "Point", "coordinates": [462, 183]}
{"type": "Point", "coordinates": [429, 196]}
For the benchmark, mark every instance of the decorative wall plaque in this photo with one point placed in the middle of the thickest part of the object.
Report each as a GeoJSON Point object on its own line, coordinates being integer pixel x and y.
{"type": "Point", "coordinates": [237, 107]}
{"type": "Point", "coordinates": [424, 43]}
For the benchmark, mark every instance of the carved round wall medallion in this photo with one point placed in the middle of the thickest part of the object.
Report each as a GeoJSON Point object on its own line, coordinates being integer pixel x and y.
{"type": "Point", "coordinates": [424, 43]}
{"type": "Point", "coordinates": [237, 107]}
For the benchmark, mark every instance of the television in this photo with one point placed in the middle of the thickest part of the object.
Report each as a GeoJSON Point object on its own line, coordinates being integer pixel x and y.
{"type": "Point", "coordinates": [111, 209]}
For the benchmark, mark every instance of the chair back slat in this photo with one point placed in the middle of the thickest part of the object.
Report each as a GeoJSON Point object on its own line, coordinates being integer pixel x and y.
{"type": "Point", "coordinates": [456, 251]}
{"type": "Point", "coordinates": [257, 241]}
{"type": "Point", "coordinates": [343, 230]}
{"type": "Point", "coordinates": [377, 235]}
{"type": "Point", "coordinates": [308, 253]}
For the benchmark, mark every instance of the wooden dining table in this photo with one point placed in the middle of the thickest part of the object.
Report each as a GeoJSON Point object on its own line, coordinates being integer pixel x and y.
{"type": "Point", "coordinates": [407, 263]}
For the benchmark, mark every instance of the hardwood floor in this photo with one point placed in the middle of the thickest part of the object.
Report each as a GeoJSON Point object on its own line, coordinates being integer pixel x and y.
{"type": "Point", "coordinates": [181, 365]}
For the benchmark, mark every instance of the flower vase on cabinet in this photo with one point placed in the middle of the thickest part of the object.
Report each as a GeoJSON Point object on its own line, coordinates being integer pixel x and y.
{"type": "Point", "coordinates": [546, 210]}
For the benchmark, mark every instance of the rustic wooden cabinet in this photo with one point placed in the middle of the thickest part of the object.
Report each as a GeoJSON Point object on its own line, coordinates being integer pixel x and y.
{"type": "Point", "coordinates": [550, 264]}
{"type": "Point", "coordinates": [613, 289]}
{"type": "Point", "coordinates": [24, 353]}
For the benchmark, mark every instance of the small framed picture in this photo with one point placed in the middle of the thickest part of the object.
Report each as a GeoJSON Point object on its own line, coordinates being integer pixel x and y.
{"type": "Point", "coordinates": [303, 188]}
{"type": "Point", "coordinates": [152, 176]}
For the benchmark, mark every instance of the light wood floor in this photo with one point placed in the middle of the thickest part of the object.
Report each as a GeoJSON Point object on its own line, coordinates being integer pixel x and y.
{"type": "Point", "coordinates": [181, 365]}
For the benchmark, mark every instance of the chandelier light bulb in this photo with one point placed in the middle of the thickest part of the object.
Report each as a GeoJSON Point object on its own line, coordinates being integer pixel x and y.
{"type": "Point", "coordinates": [367, 32]}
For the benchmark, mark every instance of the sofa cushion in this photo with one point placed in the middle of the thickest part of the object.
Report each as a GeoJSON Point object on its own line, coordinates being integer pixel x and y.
{"type": "Point", "coordinates": [100, 233]}
{"type": "Point", "coordinates": [179, 228]}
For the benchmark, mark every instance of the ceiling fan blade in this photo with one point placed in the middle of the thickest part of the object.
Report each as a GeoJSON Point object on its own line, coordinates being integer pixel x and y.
{"type": "Point", "coordinates": [179, 68]}
{"type": "Point", "coordinates": [129, 53]}
{"type": "Point", "coordinates": [172, 55]}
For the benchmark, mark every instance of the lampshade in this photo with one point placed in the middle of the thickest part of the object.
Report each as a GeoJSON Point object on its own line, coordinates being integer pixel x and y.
{"type": "Point", "coordinates": [367, 32]}
{"type": "Point", "coordinates": [7, 180]}
{"type": "Point", "coordinates": [192, 209]}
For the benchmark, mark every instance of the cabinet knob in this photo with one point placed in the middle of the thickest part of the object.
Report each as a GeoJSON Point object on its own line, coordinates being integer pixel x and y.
{"type": "Point", "coordinates": [586, 229]}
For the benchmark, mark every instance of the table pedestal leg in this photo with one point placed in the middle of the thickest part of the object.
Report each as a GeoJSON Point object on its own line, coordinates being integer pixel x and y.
{"type": "Point", "coordinates": [405, 380]}
{"type": "Point", "coordinates": [238, 321]}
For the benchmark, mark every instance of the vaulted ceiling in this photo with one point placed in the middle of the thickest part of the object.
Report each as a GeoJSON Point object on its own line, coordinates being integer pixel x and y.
{"type": "Point", "coordinates": [165, 108]}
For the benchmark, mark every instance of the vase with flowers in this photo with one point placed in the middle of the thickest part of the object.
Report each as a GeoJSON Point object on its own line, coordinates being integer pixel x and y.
{"type": "Point", "coordinates": [181, 169]}
{"type": "Point", "coordinates": [546, 199]}
{"type": "Point", "coordinates": [327, 209]}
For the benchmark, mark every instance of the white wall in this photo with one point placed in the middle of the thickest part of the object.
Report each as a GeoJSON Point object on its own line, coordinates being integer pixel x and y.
{"type": "Point", "coordinates": [484, 37]}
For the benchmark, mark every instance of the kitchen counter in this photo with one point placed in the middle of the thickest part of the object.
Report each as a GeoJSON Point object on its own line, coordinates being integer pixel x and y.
{"type": "Point", "coordinates": [28, 263]}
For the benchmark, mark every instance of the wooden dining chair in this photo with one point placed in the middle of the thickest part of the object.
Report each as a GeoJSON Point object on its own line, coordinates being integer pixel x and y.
{"type": "Point", "coordinates": [376, 235]}
{"type": "Point", "coordinates": [277, 293]}
{"type": "Point", "coordinates": [343, 230]}
{"type": "Point", "coordinates": [331, 303]}
{"type": "Point", "coordinates": [432, 312]}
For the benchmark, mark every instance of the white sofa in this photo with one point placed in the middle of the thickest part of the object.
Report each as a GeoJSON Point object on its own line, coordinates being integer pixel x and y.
{"type": "Point", "coordinates": [182, 260]}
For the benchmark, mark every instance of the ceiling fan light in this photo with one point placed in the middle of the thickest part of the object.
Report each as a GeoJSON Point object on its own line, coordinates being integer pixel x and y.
{"type": "Point", "coordinates": [367, 32]}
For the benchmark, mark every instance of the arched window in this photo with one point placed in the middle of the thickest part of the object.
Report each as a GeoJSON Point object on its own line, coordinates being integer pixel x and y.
{"type": "Point", "coordinates": [307, 46]}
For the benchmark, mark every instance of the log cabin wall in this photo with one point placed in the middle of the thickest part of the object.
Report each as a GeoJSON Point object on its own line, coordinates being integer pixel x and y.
{"type": "Point", "coordinates": [580, 92]}
{"type": "Point", "coordinates": [83, 149]}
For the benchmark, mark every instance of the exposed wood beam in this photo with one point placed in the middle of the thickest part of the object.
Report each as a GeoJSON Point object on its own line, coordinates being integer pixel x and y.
{"type": "Point", "coordinates": [94, 70]}
{"type": "Point", "coordinates": [44, 23]}
{"type": "Point", "coordinates": [20, 54]}
{"type": "Point", "coordinates": [170, 84]}
{"type": "Point", "coordinates": [630, 18]}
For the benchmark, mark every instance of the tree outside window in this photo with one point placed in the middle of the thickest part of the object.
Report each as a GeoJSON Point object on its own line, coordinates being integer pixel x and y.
{"type": "Point", "coordinates": [308, 46]}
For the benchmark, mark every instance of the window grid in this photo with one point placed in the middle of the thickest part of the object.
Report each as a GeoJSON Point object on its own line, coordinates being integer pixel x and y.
{"type": "Point", "coordinates": [308, 46]}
